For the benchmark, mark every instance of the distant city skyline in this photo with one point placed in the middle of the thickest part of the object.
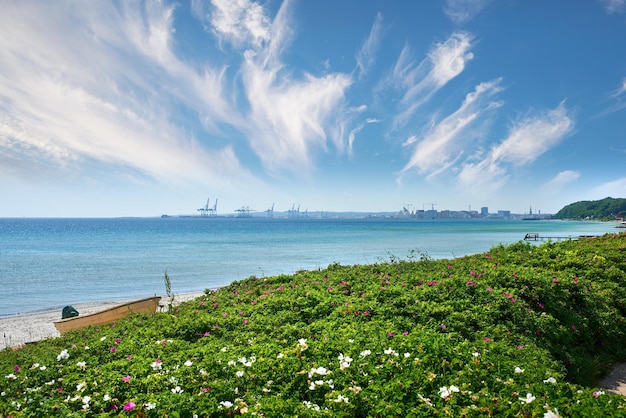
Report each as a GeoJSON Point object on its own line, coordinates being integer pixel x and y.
{"type": "Point", "coordinates": [211, 209]}
{"type": "Point", "coordinates": [144, 108]}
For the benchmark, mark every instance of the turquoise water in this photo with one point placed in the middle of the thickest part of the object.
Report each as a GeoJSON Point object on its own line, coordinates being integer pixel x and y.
{"type": "Point", "coordinates": [49, 263]}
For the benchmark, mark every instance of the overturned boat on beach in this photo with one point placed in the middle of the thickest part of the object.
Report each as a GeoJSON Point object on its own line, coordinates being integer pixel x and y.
{"type": "Point", "coordinates": [147, 305]}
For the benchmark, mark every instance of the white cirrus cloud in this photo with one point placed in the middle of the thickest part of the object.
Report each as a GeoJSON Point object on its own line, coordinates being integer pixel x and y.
{"type": "Point", "coordinates": [533, 136]}
{"type": "Point", "coordinates": [365, 56]}
{"type": "Point", "coordinates": [620, 91]}
{"type": "Point", "coordinates": [444, 143]}
{"type": "Point", "coordinates": [484, 176]}
{"type": "Point", "coordinates": [614, 188]}
{"type": "Point", "coordinates": [622, 88]}
{"type": "Point", "coordinates": [290, 115]}
{"type": "Point", "coordinates": [449, 58]}
{"type": "Point", "coordinates": [352, 137]}
{"type": "Point", "coordinates": [353, 133]}
{"type": "Point", "coordinates": [105, 84]}
{"type": "Point", "coordinates": [615, 99]}
{"type": "Point", "coordinates": [420, 81]}
{"type": "Point", "coordinates": [562, 178]}
{"type": "Point", "coordinates": [78, 88]}
{"type": "Point", "coordinates": [240, 22]}
{"type": "Point", "coordinates": [462, 11]}
{"type": "Point", "coordinates": [527, 140]}
{"type": "Point", "coordinates": [614, 6]}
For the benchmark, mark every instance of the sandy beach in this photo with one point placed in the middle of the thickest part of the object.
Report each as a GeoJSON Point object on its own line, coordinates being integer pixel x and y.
{"type": "Point", "coordinates": [615, 381]}
{"type": "Point", "coordinates": [20, 329]}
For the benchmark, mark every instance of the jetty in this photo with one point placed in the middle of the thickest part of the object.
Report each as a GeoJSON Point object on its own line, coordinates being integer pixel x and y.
{"type": "Point", "coordinates": [534, 236]}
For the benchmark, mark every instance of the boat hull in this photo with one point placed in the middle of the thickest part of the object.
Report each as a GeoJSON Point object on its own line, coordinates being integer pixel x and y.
{"type": "Point", "coordinates": [147, 305]}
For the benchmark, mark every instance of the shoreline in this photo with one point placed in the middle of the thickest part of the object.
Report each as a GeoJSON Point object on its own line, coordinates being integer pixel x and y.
{"type": "Point", "coordinates": [19, 329]}
{"type": "Point", "coordinates": [87, 305]}
{"type": "Point", "coordinates": [131, 260]}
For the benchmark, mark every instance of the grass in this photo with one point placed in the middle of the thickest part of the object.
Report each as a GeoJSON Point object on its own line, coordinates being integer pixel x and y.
{"type": "Point", "coordinates": [521, 330]}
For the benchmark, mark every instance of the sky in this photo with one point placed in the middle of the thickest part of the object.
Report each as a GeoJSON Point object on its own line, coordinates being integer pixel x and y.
{"type": "Point", "coordinates": [136, 108]}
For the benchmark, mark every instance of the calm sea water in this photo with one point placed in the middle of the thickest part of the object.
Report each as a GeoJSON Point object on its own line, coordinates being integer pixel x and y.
{"type": "Point", "coordinates": [50, 263]}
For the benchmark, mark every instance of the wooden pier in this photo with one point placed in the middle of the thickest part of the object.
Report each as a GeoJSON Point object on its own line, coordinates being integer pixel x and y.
{"type": "Point", "coordinates": [533, 236]}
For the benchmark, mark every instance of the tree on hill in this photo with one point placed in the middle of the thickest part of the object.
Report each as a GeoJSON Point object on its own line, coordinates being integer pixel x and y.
{"type": "Point", "coordinates": [607, 208]}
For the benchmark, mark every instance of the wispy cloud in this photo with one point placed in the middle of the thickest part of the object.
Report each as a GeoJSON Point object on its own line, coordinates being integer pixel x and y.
{"type": "Point", "coordinates": [240, 22]}
{"type": "Point", "coordinates": [289, 117]}
{"type": "Point", "coordinates": [617, 98]}
{"type": "Point", "coordinates": [355, 131]}
{"type": "Point", "coordinates": [462, 11]}
{"type": "Point", "coordinates": [619, 92]}
{"type": "Point", "coordinates": [419, 82]}
{"type": "Point", "coordinates": [561, 179]}
{"type": "Point", "coordinates": [614, 6]}
{"type": "Point", "coordinates": [533, 136]}
{"type": "Point", "coordinates": [527, 140]}
{"type": "Point", "coordinates": [365, 56]}
{"type": "Point", "coordinates": [449, 58]}
{"type": "Point", "coordinates": [77, 88]}
{"type": "Point", "coordinates": [290, 114]}
{"type": "Point", "coordinates": [614, 101]}
{"type": "Point", "coordinates": [485, 176]}
{"type": "Point", "coordinates": [443, 145]}
{"type": "Point", "coordinates": [614, 188]}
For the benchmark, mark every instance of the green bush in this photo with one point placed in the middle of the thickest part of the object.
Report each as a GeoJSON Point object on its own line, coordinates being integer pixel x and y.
{"type": "Point", "coordinates": [522, 330]}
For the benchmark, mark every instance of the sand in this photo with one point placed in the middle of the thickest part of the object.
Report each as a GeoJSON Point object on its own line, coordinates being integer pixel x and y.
{"type": "Point", "coordinates": [615, 381]}
{"type": "Point", "coordinates": [21, 329]}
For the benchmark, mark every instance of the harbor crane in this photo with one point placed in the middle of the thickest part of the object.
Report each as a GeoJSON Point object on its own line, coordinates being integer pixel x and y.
{"type": "Point", "coordinates": [205, 210]}
{"type": "Point", "coordinates": [270, 212]}
{"type": "Point", "coordinates": [407, 211]}
{"type": "Point", "coordinates": [432, 213]}
{"type": "Point", "coordinates": [208, 211]}
{"type": "Point", "coordinates": [244, 212]}
{"type": "Point", "coordinates": [213, 210]}
{"type": "Point", "coordinates": [293, 212]}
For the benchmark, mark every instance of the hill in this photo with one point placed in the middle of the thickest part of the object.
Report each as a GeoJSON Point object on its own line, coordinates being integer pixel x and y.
{"type": "Point", "coordinates": [605, 209]}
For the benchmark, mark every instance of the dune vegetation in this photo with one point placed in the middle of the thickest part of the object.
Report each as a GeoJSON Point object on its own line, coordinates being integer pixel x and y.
{"type": "Point", "coordinates": [522, 330]}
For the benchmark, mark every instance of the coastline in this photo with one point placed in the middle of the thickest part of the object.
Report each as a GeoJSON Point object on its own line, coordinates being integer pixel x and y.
{"type": "Point", "coordinates": [247, 325]}
{"type": "Point", "coordinates": [53, 263]}
{"type": "Point", "coordinates": [20, 329]}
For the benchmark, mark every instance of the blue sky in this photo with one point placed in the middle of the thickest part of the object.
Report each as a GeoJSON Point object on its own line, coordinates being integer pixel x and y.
{"type": "Point", "coordinates": [142, 108]}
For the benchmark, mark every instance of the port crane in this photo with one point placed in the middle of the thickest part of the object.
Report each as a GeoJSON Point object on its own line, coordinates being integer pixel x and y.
{"type": "Point", "coordinates": [270, 212]}
{"type": "Point", "coordinates": [406, 211]}
{"type": "Point", "coordinates": [213, 210]}
{"type": "Point", "coordinates": [208, 211]}
{"type": "Point", "coordinates": [432, 212]}
{"type": "Point", "coordinates": [293, 212]}
{"type": "Point", "coordinates": [244, 212]}
{"type": "Point", "coordinates": [205, 210]}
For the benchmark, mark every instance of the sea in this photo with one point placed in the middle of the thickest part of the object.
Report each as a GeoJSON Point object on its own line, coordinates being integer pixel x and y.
{"type": "Point", "coordinates": [46, 264]}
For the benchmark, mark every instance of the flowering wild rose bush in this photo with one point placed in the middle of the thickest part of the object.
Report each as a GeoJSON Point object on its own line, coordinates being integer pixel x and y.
{"type": "Point", "coordinates": [522, 330]}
